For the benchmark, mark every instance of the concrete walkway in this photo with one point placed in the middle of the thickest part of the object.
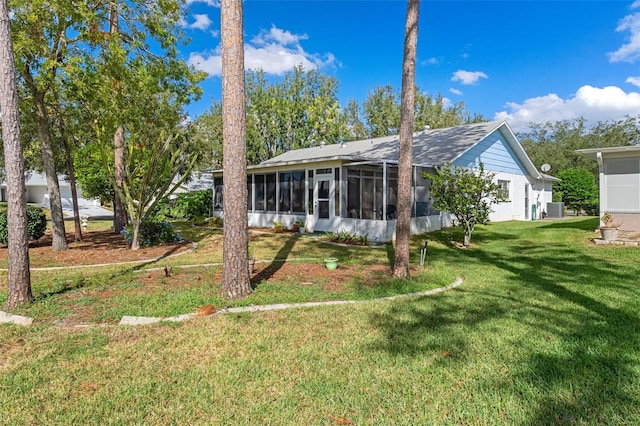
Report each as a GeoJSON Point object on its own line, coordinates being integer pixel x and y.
{"type": "Point", "coordinates": [126, 320]}
{"type": "Point", "coordinates": [131, 320]}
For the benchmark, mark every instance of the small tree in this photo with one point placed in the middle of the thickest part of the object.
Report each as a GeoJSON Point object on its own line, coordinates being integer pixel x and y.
{"type": "Point", "coordinates": [465, 193]}
{"type": "Point", "coordinates": [578, 189]}
{"type": "Point", "coordinates": [152, 166]}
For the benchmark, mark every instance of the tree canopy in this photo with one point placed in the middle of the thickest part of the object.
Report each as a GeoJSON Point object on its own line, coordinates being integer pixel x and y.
{"type": "Point", "coordinates": [302, 109]}
{"type": "Point", "coordinates": [578, 190]}
{"type": "Point", "coordinates": [555, 143]}
{"type": "Point", "coordinates": [467, 194]}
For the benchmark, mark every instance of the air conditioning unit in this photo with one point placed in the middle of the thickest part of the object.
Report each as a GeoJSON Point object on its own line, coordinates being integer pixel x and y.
{"type": "Point", "coordinates": [555, 210]}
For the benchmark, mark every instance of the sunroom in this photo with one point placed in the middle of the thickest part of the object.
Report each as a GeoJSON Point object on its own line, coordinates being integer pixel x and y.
{"type": "Point", "coordinates": [355, 196]}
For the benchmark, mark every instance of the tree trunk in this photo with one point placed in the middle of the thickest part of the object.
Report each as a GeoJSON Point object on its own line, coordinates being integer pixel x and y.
{"type": "Point", "coordinates": [135, 240]}
{"type": "Point", "coordinates": [468, 230]}
{"type": "Point", "coordinates": [53, 186]}
{"type": "Point", "coordinates": [120, 218]}
{"type": "Point", "coordinates": [467, 238]}
{"type": "Point", "coordinates": [19, 276]}
{"type": "Point", "coordinates": [71, 172]}
{"type": "Point", "coordinates": [235, 273]}
{"type": "Point", "coordinates": [405, 160]}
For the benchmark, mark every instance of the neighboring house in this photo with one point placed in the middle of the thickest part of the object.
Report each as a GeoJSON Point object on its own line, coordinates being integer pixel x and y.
{"type": "Point", "coordinates": [352, 186]}
{"type": "Point", "coordinates": [619, 183]}
{"type": "Point", "coordinates": [199, 180]}
{"type": "Point", "coordinates": [37, 193]}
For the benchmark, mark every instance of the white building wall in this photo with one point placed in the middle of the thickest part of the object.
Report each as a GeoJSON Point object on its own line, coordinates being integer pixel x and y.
{"type": "Point", "coordinates": [519, 206]}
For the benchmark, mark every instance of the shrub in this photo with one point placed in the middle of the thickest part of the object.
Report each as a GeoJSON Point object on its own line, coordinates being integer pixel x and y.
{"type": "Point", "coordinates": [216, 221]}
{"type": "Point", "coordinates": [195, 205]}
{"type": "Point", "coordinates": [153, 233]}
{"type": "Point", "coordinates": [345, 237]}
{"type": "Point", "coordinates": [36, 224]}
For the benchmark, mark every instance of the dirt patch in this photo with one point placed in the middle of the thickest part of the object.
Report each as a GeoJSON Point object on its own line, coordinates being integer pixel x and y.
{"type": "Point", "coordinates": [84, 304]}
{"type": "Point", "coordinates": [97, 247]}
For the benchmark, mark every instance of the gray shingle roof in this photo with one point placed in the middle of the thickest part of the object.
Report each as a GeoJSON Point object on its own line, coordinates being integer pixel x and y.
{"type": "Point", "coordinates": [430, 147]}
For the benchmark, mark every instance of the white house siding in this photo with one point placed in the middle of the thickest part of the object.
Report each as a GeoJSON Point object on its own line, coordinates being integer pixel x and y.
{"type": "Point", "coordinates": [37, 192]}
{"type": "Point", "coordinates": [498, 157]}
{"type": "Point", "coordinates": [620, 190]}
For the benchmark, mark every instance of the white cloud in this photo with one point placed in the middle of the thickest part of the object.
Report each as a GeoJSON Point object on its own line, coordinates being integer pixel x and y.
{"type": "Point", "coordinates": [213, 3]}
{"type": "Point", "coordinates": [435, 61]}
{"type": "Point", "coordinates": [275, 51]}
{"type": "Point", "coordinates": [455, 91]}
{"type": "Point", "coordinates": [278, 36]}
{"type": "Point", "coordinates": [201, 22]}
{"type": "Point", "coordinates": [211, 64]}
{"type": "Point", "coordinates": [633, 80]}
{"type": "Point", "coordinates": [629, 52]}
{"type": "Point", "coordinates": [593, 103]}
{"type": "Point", "coordinates": [468, 77]}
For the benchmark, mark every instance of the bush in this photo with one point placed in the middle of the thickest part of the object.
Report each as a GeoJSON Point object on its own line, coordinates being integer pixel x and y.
{"type": "Point", "coordinates": [152, 234]}
{"type": "Point", "coordinates": [193, 204]}
{"type": "Point", "coordinates": [36, 224]}
{"type": "Point", "coordinates": [345, 237]}
{"type": "Point", "coordinates": [188, 205]}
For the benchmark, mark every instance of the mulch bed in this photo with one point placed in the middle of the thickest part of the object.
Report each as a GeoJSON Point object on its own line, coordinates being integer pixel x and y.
{"type": "Point", "coordinates": [97, 247]}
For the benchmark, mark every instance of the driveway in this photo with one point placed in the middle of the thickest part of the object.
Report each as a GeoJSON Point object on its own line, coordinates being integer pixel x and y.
{"type": "Point", "coordinates": [90, 211]}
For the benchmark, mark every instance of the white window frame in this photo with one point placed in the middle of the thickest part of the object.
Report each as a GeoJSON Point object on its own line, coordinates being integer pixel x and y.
{"type": "Point", "coordinates": [505, 189]}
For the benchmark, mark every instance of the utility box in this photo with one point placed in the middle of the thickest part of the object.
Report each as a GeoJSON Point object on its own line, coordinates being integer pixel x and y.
{"type": "Point", "coordinates": [555, 210]}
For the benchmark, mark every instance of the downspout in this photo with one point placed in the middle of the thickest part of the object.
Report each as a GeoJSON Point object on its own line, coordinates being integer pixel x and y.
{"type": "Point", "coordinates": [601, 182]}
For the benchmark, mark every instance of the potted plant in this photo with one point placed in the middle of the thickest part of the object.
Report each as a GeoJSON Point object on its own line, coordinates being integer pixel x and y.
{"type": "Point", "coordinates": [608, 229]}
{"type": "Point", "coordinates": [277, 226]}
{"type": "Point", "coordinates": [300, 223]}
{"type": "Point", "coordinates": [331, 263]}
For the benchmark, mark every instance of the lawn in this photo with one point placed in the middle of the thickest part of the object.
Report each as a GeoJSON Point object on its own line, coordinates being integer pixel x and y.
{"type": "Point", "coordinates": [544, 330]}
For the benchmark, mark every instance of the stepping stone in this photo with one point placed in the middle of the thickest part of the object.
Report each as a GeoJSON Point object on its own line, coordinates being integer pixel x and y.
{"type": "Point", "coordinates": [15, 319]}
{"type": "Point", "coordinates": [138, 320]}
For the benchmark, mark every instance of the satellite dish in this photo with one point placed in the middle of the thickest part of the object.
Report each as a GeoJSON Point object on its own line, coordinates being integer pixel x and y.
{"type": "Point", "coordinates": [545, 167]}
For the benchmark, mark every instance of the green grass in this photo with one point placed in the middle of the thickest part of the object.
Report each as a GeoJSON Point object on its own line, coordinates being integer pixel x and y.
{"type": "Point", "coordinates": [119, 290]}
{"type": "Point", "coordinates": [545, 330]}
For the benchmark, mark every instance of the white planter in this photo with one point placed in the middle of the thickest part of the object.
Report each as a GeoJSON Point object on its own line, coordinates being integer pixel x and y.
{"type": "Point", "coordinates": [609, 234]}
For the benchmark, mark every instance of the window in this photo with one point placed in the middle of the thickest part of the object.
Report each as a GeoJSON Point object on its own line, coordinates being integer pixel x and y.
{"type": "Point", "coordinates": [504, 190]}
{"type": "Point", "coordinates": [270, 191]}
{"type": "Point", "coordinates": [217, 193]}
{"type": "Point", "coordinates": [291, 191]}
{"type": "Point", "coordinates": [310, 197]}
{"type": "Point", "coordinates": [258, 182]}
{"type": "Point", "coordinates": [336, 174]}
{"type": "Point", "coordinates": [297, 191]}
{"type": "Point", "coordinates": [284, 186]}
{"type": "Point", "coordinates": [249, 193]}
{"type": "Point", "coordinates": [365, 194]}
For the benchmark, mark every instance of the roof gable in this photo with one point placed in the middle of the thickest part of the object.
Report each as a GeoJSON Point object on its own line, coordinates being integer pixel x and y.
{"type": "Point", "coordinates": [430, 147]}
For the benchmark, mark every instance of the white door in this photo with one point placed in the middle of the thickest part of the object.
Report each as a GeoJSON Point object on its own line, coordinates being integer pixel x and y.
{"type": "Point", "coordinates": [322, 202]}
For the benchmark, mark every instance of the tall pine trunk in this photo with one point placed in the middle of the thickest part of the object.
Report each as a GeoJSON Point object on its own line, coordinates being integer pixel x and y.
{"type": "Point", "coordinates": [71, 172]}
{"type": "Point", "coordinates": [48, 161]}
{"type": "Point", "coordinates": [19, 276]}
{"type": "Point", "coordinates": [120, 217]}
{"type": "Point", "coordinates": [405, 160]}
{"type": "Point", "coordinates": [235, 273]}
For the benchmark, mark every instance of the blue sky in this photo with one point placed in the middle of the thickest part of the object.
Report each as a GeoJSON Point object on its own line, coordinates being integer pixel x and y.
{"type": "Point", "coordinates": [519, 61]}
